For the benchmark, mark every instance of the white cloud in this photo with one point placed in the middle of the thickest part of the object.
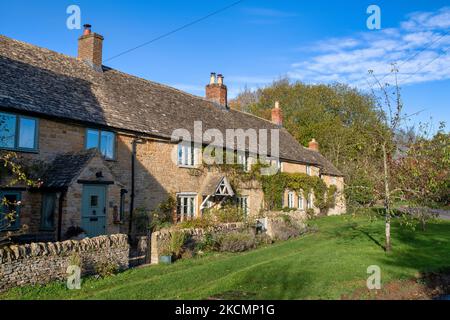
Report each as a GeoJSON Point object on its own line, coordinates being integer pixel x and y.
{"type": "Point", "coordinates": [417, 46]}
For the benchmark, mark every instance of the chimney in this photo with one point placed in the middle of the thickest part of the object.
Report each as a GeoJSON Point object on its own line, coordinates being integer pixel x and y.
{"type": "Point", "coordinates": [216, 91]}
{"type": "Point", "coordinates": [313, 145]}
{"type": "Point", "coordinates": [90, 47]}
{"type": "Point", "coordinates": [277, 115]}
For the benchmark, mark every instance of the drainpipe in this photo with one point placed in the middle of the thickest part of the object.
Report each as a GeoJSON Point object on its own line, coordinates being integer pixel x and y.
{"type": "Point", "coordinates": [134, 143]}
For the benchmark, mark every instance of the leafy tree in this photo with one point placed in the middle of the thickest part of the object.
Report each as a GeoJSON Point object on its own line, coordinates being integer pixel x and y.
{"type": "Point", "coordinates": [342, 119]}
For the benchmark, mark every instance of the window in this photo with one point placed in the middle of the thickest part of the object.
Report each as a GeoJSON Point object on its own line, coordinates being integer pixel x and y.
{"type": "Point", "coordinates": [187, 155]}
{"type": "Point", "coordinates": [333, 180]}
{"type": "Point", "coordinates": [243, 159]}
{"type": "Point", "coordinates": [18, 132]}
{"type": "Point", "coordinates": [185, 206]}
{"type": "Point", "coordinates": [104, 141]}
{"type": "Point", "coordinates": [308, 170]}
{"type": "Point", "coordinates": [10, 210]}
{"type": "Point", "coordinates": [300, 201]}
{"type": "Point", "coordinates": [48, 211]}
{"type": "Point", "coordinates": [290, 200]}
{"type": "Point", "coordinates": [243, 204]}
{"type": "Point", "coordinates": [309, 201]}
{"type": "Point", "coordinates": [94, 201]}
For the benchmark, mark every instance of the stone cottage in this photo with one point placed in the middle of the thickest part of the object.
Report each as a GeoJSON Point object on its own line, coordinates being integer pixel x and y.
{"type": "Point", "coordinates": [101, 143]}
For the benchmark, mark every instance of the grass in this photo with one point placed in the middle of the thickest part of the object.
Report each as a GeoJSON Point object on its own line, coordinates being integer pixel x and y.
{"type": "Point", "coordinates": [323, 265]}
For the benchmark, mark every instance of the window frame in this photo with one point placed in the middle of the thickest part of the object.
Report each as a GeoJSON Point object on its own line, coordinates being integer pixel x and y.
{"type": "Point", "coordinates": [290, 200]}
{"type": "Point", "coordinates": [16, 225]}
{"type": "Point", "coordinates": [309, 201]}
{"type": "Point", "coordinates": [245, 156]}
{"type": "Point", "coordinates": [17, 131]}
{"type": "Point", "coordinates": [186, 195]}
{"type": "Point", "coordinates": [308, 170]}
{"type": "Point", "coordinates": [240, 201]}
{"type": "Point", "coordinates": [192, 151]}
{"type": "Point", "coordinates": [44, 195]}
{"type": "Point", "coordinates": [301, 202]}
{"type": "Point", "coordinates": [98, 147]}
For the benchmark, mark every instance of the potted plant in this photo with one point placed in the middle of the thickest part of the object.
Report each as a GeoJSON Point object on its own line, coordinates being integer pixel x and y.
{"type": "Point", "coordinates": [165, 253]}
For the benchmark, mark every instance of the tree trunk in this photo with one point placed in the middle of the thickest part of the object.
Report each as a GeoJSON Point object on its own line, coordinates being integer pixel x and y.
{"type": "Point", "coordinates": [387, 200]}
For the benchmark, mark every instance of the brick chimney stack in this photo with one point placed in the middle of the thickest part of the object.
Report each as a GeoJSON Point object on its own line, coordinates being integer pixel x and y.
{"type": "Point", "coordinates": [277, 115]}
{"type": "Point", "coordinates": [216, 91]}
{"type": "Point", "coordinates": [90, 47]}
{"type": "Point", "coordinates": [313, 145]}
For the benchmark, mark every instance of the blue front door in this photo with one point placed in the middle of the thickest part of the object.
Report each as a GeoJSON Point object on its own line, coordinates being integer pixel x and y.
{"type": "Point", "coordinates": [93, 213]}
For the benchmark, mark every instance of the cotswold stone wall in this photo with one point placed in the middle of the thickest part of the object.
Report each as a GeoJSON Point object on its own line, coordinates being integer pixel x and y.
{"type": "Point", "coordinates": [160, 237]}
{"type": "Point", "coordinates": [40, 263]}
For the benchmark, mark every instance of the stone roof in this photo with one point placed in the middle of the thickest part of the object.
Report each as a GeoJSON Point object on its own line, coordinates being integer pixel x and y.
{"type": "Point", "coordinates": [66, 167]}
{"type": "Point", "coordinates": [44, 82]}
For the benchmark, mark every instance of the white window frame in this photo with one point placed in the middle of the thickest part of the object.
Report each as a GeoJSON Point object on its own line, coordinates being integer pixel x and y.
{"type": "Point", "coordinates": [301, 202]}
{"type": "Point", "coordinates": [290, 201]}
{"type": "Point", "coordinates": [309, 201]}
{"type": "Point", "coordinates": [189, 214]}
{"type": "Point", "coordinates": [244, 160]}
{"type": "Point", "coordinates": [189, 154]}
{"type": "Point", "coordinates": [243, 204]}
{"type": "Point", "coordinates": [308, 170]}
{"type": "Point", "coordinates": [333, 180]}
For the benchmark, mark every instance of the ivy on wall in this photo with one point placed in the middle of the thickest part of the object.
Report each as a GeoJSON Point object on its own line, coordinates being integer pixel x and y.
{"type": "Point", "coordinates": [274, 187]}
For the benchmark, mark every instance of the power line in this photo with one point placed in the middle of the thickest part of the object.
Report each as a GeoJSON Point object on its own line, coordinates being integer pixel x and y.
{"type": "Point", "coordinates": [427, 64]}
{"type": "Point", "coordinates": [419, 52]}
{"type": "Point", "coordinates": [176, 30]}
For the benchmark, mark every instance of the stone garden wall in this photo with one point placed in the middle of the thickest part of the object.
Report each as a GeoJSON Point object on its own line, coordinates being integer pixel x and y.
{"type": "Point", "coordinates": [159, 237]}
{"type": "Point", "coordinates": [40, 263]}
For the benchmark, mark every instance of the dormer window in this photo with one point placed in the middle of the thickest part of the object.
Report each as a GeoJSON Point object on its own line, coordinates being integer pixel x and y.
{"type": "Point", "coordinates": [104, 141]}
{"type": "Point", "coordinates": [187, 154]}
{"type": "Point", "coordinates": [308, 170]}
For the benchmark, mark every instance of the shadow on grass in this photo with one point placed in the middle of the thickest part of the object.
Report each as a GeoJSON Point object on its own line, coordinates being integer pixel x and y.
{"type": "Point", "coordinates": [369, 236]}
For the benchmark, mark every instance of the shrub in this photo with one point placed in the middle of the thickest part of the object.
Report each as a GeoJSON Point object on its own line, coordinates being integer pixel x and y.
{"type": "Point", "coordinates": [263, 239]}
{"type": "Point", "coordinates": [236, 241]}
{"type": "Point", "coordinates": [208, 243]}
{"type": "Point", "coordinates": [284, 229]}
{"type": "Point", "coordinates": [187, 254]}
{"type": "Point", "coordinates": [228, 214]}
{"type": "Point", "coordinates": [106, 268]}
{"type": "Point", "coordinates": [161, 217]}
{"type": "Point", "coordinates": [141, 221]}
{"type": "Point", "coordinates": [203, 222]}
{"type": "Point", "coordinates": [177, 242]}
{"type": "Point", "coordinates": [310, 214]}
{"type": "Point", "coordinates": [165, 248]}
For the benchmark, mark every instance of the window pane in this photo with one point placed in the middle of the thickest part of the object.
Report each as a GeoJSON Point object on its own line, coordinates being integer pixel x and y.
{"type": "Point", "coordinates": [91, 139]}
{"type": "Point", "coordinates": [107, 144]}
{"type": "Point", "coordinates": [7, 130]}
{"type": "Point", "coordinates": [27, 133]}
{"type": "Point", "coordinates": [48, 211]}
{"type": "Point", "coordinates": [191, 206]}
{"type": "Point", "coordinates": [180, 154]}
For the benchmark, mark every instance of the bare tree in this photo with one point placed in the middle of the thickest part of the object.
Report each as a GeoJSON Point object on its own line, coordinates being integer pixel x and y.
{"type": "Point", "coordinates": [390, 112]}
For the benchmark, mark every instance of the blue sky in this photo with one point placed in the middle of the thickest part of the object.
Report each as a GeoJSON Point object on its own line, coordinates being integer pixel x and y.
{"type": "Point", "coordinates": [258, 41]}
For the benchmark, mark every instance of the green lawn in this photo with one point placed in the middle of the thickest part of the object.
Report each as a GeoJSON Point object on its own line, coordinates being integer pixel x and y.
{"type": "Point", "coordinates": [321, 265]}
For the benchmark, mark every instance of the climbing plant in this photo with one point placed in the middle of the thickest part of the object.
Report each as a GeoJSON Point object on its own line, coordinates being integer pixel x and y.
{"type": "Point", "coordinates": [275, 185]}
